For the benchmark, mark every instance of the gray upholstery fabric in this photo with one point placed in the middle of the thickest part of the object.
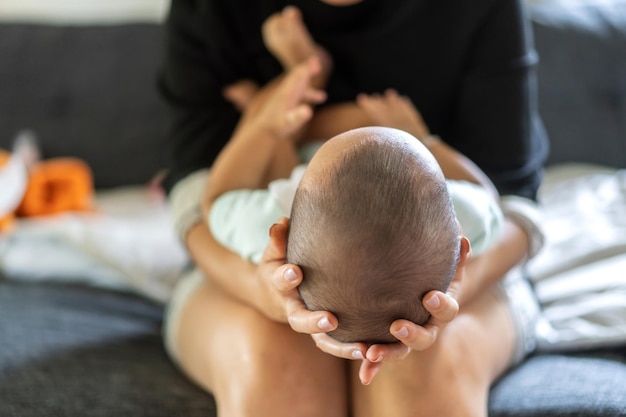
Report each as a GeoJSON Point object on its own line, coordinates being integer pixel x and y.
{"type": "Point", "coordinates": [75, 351]}
{"type": "Point", "coordinates": [582, 79]}
{"type": "Point", "coordinates": [88, 92]}
{"type": "Point", "coordinates": [582, 385]}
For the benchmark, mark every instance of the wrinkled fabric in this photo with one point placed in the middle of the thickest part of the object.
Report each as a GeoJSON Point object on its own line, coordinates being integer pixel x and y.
{"type": "Point", "coordinates": [580, 277]}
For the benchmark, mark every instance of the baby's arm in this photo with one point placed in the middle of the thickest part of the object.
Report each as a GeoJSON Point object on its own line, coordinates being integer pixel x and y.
{"type": "Point", "coordinates": [393, 110]}
{"type": "Point", "coordinates": [275, 115]}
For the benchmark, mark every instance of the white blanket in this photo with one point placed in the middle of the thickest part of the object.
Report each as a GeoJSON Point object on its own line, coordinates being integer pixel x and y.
{"type": "Point", "coordinates": [128, 244]}
{"type": "Point", "coordinates": [580, 276]}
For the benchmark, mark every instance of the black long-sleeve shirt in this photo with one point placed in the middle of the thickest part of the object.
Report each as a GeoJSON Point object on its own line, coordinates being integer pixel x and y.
{"type": "Point", "coordinates": [468, 65]}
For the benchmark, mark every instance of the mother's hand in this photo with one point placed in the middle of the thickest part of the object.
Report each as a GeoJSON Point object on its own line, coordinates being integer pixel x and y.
{"type": "Point", "coordinates": [443, 309]}
{"type": "Point", "coordinates": [279, 299]}
{"type": "Point", "coordinates": [277, 288]}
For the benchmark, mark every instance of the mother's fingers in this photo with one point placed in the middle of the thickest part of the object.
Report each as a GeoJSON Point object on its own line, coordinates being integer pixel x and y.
{"type": "Point", "coordinates": [388, 351]}
{"type": "Point", "coordinates": [416, 337]}
{"type": "Point", "coordinates": [353, 351]}
{"type": "Point", "coordinates": [326, 343]}
{"type": "Point", "coordinates": [287, 277]}
{"type": "Point", "coordinates": [302, 320]}
{"type": "Point", "coordinates": [368, 371]}
{"type": "Point", "coordinates": [441, 306]}
{"type": "Point", "coordinates": [411, 336]}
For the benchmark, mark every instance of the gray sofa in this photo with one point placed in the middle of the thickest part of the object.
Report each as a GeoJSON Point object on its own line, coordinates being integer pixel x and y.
{"type": "Point", "coordinates": [89, 91]}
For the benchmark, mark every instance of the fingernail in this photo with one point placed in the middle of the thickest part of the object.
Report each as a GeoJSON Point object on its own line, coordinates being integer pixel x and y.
{"type": "Point", "coordinates": [433, 302]}
{"type": "Point", "coordinates": [402, 332]}
{"type": "Point", "coordinates": [290, 275]}
{"type": "Point", "coordinates": [324, 324]}
{"type": "Point", "coordinates": [369, 381]}
{"type": "Point", "coordinates": [272, 228]}
{"type": "Point", "coordinates": [378, 359]}
{"type": "Point", "coordinates": [357, 354]}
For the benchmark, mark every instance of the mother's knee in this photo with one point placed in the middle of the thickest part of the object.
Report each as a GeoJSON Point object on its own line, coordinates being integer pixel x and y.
{"type": "Point", "coordinates": [267, 366]}
{"type": "Point", "coordinates": [254, 366]}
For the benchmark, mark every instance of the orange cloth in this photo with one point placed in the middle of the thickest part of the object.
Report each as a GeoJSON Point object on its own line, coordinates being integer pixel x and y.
{"type": "Point", "coordinates": [57, 185]}
{"type": "Point", "coordinates": [6, 221]}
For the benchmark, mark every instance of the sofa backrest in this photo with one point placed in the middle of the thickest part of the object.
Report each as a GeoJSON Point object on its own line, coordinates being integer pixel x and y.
{"type": "Point", "coordinates": [86, 91]}
{"type": "Point", "coordinates": [582, 78]}
{"type": "Point", "coordinates": [90, 91]}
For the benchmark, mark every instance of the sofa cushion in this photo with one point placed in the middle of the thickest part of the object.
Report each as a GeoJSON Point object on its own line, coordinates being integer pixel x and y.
{"type": "Point", "coordinates": [68, 350]}
{"type": "Point", "coordinates": [86, 91]}
{"type": "Point", "coordinates": [585, 385]}
{"type": "Point", "coordinates": [75, 351]}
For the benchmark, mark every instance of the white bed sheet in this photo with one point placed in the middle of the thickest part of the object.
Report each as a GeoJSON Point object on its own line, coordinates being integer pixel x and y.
{"type": "Point", "coordinates": [128, 244]}
{"type": "Point", "coordinates": [580, 276]}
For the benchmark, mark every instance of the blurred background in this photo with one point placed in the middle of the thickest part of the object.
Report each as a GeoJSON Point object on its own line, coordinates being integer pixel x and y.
{"type": "Point", "coordinates": [83, 11]}
{"type": "Point", "coordinates": [81, 75]}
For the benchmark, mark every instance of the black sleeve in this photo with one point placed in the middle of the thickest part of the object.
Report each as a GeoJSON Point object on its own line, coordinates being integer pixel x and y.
{"type": "Point", "coordinates": [497, 114]}
{"type": "Point", "coordinates": [191, 79]}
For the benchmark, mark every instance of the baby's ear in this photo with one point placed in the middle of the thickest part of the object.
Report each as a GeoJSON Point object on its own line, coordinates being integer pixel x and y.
{"type": "Point", "coordinates": [465, 251]}
{"type": "Point", "coordinates": [277, 245]}
{"type": "Point", "coordinates": [465, 254]}
{"type": "Point", "coordinates": [279, 232]}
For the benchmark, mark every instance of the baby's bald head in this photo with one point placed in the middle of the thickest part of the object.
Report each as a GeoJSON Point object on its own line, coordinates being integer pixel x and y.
{"type": "Point", "coordinates": [373, 228]}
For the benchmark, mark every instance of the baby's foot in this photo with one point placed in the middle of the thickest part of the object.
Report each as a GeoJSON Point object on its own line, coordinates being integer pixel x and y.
{"type": "Point", "coordinates": [394, 110]}
{"type": "Point", "coordinates": [288, 39]}
{"type": "Point", "coordinates": [241, 93]}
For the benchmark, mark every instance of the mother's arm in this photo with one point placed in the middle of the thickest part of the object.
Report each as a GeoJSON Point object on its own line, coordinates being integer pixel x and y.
{"type": "Point", "coordinates": [269, 287]}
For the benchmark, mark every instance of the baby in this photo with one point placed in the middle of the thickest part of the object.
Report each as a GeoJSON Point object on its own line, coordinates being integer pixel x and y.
{"type": "Point", "coordinates": [373, 229]}
{"type": "Point", "coordinates": [374, 223]}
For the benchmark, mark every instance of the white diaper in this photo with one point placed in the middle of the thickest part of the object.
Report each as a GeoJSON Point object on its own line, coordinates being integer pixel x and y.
{"type": "Point", "coordinates": [519, 296]}
{"type": "Point", "coordinates": [184, 289]}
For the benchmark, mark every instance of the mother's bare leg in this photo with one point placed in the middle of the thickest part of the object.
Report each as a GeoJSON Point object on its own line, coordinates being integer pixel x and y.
{"type": "Point", "coordinates": [453, 377]}
{"type": "Point", "coordinates": [253, 366]}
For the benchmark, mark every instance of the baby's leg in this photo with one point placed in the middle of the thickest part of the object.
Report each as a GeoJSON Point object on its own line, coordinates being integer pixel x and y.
{"type": "Point", "coordinates": [246, 96]}
{"type": "Point", "coordinates": [453, 377]}
{"type": "Point", "coordinates": [285, 159]}
{"type": "Point", "coordinates": [334, 119]}
{"type": "Point", "coordinates": [253, 366]}
{"type": "Point", "coordinates": [288, 39]}
{"type": "Point", "coordinates": [241, 94]}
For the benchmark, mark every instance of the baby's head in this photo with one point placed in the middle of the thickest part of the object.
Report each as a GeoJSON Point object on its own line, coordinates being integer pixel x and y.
{"type": "Point", "coordinates": [373, 229]}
